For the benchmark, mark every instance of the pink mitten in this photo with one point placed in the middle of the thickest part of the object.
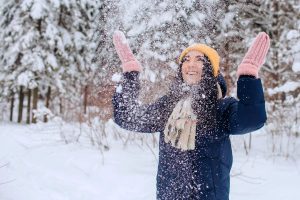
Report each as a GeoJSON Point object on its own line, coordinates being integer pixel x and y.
{"type": "Point", "coordinates": [129, 62]}
{"type": "Point", "coordinates": [255, 57]}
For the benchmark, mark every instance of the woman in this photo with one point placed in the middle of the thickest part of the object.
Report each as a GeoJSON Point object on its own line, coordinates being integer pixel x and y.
{"type": "Point", "coordinates": [193, 118]}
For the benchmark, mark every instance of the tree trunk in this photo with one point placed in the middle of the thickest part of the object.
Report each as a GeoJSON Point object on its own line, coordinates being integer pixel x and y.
{"type": "Point", "coordinates": [28, 106]}
{"type": "Point", "coordinates": [21, 99]}
{"type": "Point", "coordinates": [60, 105]}
{"type": "Point", "coordinates": [85, 99]}
{"type": "Point", "coordinates": [12, 104]}
{"type": "Point", "coordinates": [48, 96]}
{"type": "Point", "coordinates": [34, 103]}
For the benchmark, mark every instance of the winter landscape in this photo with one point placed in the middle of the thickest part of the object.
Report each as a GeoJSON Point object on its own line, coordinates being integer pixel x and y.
{"type": "Point", "coordinates": [37, 164]}
{"type": "Point", "coordinates": [59, 71]}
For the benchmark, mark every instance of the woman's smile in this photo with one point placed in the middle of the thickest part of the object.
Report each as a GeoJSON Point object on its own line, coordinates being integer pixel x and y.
{"type": "Point", "coordinates": [192, 73]}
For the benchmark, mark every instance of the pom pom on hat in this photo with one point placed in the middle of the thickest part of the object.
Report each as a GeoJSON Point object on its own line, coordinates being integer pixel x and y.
{"type": "Point", "coordinates": [212, 55]}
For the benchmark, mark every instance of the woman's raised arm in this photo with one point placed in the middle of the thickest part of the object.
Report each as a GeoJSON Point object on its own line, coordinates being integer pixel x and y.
{"type": "Point", "coordinates": [128, 113]}
{"type": "Point", "coordinates": [248, 113]}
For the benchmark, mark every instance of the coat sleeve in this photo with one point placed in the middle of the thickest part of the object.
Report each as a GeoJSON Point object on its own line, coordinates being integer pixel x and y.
{"type": "Point", "coordinates": [248, 113]}
{"type": "Point", "coordinates": [129, 114]}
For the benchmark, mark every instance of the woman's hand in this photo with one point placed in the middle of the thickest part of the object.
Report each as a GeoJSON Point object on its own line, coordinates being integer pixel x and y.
{"type": "Point", "coordinates": [255, 57]}
{"type": "Point", "coordinates": [129, 62]}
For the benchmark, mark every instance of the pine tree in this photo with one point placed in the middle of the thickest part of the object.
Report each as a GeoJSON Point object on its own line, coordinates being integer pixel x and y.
{"type": "Point", "coordinates": [105, 57]}
{"type": "Point", "coordinates": [46, 44]}
{"type": "Point", "coordinates": [230, 38]}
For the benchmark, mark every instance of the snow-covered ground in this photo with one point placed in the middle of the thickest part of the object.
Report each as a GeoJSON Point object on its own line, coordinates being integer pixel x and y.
{"type": "Point", "coordinates": [36, 164]}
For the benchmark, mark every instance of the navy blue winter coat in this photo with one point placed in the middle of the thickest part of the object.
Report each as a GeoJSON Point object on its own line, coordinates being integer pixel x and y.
{"type": "Point", "coordinates": [202, 173]}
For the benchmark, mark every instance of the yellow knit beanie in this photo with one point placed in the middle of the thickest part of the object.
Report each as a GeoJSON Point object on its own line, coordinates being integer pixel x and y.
{"type": "Point", "coordinates": [212, 54]}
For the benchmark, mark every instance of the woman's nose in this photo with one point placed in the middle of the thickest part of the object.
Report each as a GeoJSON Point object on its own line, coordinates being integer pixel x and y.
{"type": "Point", "coordinates": [192, 64]}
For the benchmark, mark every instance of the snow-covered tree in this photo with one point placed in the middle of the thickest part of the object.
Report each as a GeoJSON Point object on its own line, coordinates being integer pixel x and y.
{"type": "Point", "coordinates": [108, 20]}
{"type": "Point", "coordinates": [230, 39]}
{"type": "Point", "coordinates": [280, 19]}
{"type": "Point", "coordinates": [46, 46]}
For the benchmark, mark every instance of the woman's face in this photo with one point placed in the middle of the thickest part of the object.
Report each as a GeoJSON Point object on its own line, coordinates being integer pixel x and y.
{"type": "Point", "coordinates": [192, 65]}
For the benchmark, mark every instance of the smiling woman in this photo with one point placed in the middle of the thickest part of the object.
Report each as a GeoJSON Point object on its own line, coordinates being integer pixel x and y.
{"type": "Point", "coordinates": [194, 118]}
{"type": "Point", "coordinates": [192, 66]}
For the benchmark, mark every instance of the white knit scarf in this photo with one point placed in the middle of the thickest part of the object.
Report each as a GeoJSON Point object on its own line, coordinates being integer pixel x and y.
{"type": "Point", "coordinates": [180, 129]}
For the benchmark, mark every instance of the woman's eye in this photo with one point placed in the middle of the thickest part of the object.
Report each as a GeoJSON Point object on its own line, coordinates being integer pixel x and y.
{"type": "Point", "coordinates": [201, 59]}
{"type": "Point", "coordinates": [185, 59]}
